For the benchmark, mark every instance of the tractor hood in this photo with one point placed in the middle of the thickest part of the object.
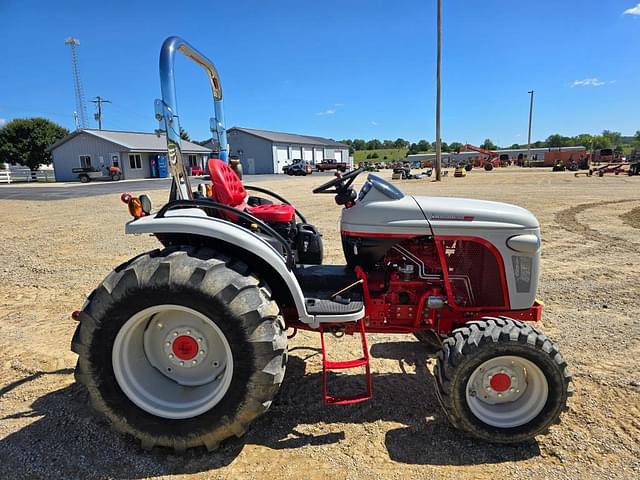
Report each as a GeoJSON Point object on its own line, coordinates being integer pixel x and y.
{"type": "Point", "coordinates": [444, 213]}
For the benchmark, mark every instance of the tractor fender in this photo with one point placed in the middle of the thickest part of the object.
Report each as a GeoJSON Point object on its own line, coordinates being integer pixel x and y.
{"type": "Point", "coordinates": [193, 221]}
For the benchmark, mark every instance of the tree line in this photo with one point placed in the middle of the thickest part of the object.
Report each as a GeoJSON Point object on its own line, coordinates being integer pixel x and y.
{"type": "Point", "coordinates": [607, 139]}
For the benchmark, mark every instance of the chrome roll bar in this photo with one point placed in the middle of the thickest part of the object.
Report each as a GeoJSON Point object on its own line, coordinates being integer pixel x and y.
{"type": "Point", "coordinates": [166, 111]}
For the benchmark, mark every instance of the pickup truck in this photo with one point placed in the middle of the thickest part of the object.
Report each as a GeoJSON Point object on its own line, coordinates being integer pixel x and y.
{"type": "Point", "coordinates": [331, 165]}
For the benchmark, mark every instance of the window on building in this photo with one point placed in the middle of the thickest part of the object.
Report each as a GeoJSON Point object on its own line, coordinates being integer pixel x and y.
{"type": "Point", "coordinates": [193, 160]}
{"type": "Point", "coordinates": [85, 161]}
{"type": "Point", "coordinates": [135, 161]}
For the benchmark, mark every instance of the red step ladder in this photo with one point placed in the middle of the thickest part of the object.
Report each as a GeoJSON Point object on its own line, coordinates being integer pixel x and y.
{"type": "Point", "coordinates": [328, 365]}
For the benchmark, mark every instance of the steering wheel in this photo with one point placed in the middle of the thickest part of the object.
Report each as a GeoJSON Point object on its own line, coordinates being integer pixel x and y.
{"type": "Point", "coordinates": [340, 183]}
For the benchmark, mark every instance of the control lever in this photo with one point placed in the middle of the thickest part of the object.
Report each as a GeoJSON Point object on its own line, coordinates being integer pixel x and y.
{"type": "Point", "coordinates": [346, 289]}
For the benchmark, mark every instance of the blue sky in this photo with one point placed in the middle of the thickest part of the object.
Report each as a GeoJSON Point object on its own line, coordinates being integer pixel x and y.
{"type": "Point", "coordinates": [342, 69]}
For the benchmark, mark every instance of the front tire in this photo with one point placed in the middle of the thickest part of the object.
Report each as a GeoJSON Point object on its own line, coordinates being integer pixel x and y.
{"type": "Point", "coordinates": [181, 348]}
{"type": "Point", "coordinates": [501, 380]}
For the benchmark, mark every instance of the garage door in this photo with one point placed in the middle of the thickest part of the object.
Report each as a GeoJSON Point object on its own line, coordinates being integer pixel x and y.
{"type": "Point", "coordinates": [296, 154]}
{"type": "Point", "coordinates": [307, 154]}
{"type": "Point", "coordinates": [319, 155]}
{"type": "Point", "coordinates": [282, 158]}
{"type": "Point", "coordinates": [338, 155]}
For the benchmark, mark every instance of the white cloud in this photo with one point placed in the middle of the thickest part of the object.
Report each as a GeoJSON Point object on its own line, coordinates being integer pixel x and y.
{"type": "Point", "coordinates": [374, 123]}
{"type": "Point", "coordinates": [332, 110]}
{"type": "Point", "coordinates": [3, 121]}
{"type": "Point", "coordinates": [590, 82]}
{"type": "Point", "coordinates": [632, 11]}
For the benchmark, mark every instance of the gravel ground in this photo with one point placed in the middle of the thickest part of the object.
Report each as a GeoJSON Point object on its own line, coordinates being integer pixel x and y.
{"type": "Point", "coordinates": [56, 252]}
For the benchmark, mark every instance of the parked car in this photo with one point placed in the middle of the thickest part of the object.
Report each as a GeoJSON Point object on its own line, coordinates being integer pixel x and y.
{"type": "Point", "coordinates": [298, 167]}
{"type": "Point", "coordinates": [325, 165]}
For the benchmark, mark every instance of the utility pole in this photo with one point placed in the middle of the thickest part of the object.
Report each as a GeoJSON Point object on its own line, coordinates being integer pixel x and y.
{"type": "Point", "coordinates": [439, 65]}
{"type": "Point", "coordinates": [529, 136]}
{"type": "Point", "coordinates": [98, 115]}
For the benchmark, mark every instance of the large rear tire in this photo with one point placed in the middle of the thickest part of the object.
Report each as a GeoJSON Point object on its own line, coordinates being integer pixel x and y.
{"type": "Point", "coordinates": [181, 348]}
{"type": "Point", "coordinates": [501, 380]}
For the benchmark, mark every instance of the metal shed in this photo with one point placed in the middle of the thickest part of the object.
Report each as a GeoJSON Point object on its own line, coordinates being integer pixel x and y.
{"type": "Point", "coordinates": [264, 151]}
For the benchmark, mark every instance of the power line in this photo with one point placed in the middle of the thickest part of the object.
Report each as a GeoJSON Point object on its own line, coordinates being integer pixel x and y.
{"type": "Point", "coordinates": [77, 85]}
{"type": "Point", "coordinates": [98, 115]}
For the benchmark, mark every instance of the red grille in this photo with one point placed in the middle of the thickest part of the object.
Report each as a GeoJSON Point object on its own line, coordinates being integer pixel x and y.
{"type": "Point", "coordinates": [475, 274]}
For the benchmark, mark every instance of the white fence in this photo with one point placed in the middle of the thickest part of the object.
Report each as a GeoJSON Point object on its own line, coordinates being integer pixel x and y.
{"type": "Point", "coordinates": [26, 175]}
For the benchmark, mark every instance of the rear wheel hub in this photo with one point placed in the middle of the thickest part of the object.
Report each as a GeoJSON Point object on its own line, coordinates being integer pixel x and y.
{"type": "Point", "coordinates": [185, 347]}
{"type": "Point", "coordinates": [172, 361]}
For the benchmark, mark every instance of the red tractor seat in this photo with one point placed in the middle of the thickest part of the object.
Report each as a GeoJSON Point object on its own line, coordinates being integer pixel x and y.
{"type": "Point", "coordinates": [277, 213]}
{"type": "Point", "coordinates": [229, 190]}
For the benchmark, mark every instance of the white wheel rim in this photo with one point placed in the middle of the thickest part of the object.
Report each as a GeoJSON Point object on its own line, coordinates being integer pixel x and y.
{"type": "Point", "coordinates": [172, 361]}
{"type": "Point", "coordinates": [507, 391]}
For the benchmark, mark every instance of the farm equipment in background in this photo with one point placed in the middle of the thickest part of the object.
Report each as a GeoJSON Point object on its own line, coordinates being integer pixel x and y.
{"type": "Point", "coordinates": [489, 163]}
{"type": "Point", "coordinates": [87, 174]}
{"type": "Point", "coordinates": [460, 171]}
{"type": "Point", "coordinates": [617, 168]}
{"type": "Point", "coordinates": [186, 345]}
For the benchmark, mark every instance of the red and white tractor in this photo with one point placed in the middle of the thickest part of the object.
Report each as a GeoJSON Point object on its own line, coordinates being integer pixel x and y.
{"type": "Point", "coordinates": [185, 346]}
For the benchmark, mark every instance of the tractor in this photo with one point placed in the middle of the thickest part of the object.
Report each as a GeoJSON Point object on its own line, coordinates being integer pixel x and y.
{"type": "Point", "coordinates": [186, 345]}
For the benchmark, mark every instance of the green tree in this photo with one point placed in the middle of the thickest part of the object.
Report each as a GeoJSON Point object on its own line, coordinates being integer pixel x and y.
{"type": "Point", "coordinates": [184, 135]}
{"type": "Point", "coordinates": [514, 146]}
{"type": "Point", "coordinates": [454, 146]}
{"type": "Point", "coordinates": [413, 149]}
{"type": "Point", "coordinates": [374, 144]}
{"type": "Point", "coordinates": [401, 143]}
{"type": "Point", "coordinates": [614, 138]}
{"type": "Point", "coordinates": [359, 144]}
{"type": "Point", "coordinates": [387, 144]}
{"type": "Point", "coordinates": [600, 141]}
{"type": "Point", "coordinates": [636, 139]}
{"type": "Point", "coordinates": [557, 140]}
{"type": "Point", "coordinates": [423, 146]}
{"type": "Point", "coordinates": [583, 140]}
{"type": "Point", "coordinates": [488, 144]}
{"type": "Point", "coordinates": [25, 141]}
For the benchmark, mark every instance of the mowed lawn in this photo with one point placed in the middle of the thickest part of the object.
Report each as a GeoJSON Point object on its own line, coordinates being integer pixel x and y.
{"type": "Point", "coordinates": [391, 154]}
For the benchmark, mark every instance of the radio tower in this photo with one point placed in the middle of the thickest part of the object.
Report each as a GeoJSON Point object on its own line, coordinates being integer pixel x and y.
{"type": "Point", "coordinates": [80, 105]}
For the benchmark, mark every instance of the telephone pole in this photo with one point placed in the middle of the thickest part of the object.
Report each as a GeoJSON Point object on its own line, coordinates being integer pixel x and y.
{"type": "Point", "coordinates": [529, 136]}
{"type": "Point", "coordinates": [439, 64]}
{"type": "Point", "coordinates": [98, 115]}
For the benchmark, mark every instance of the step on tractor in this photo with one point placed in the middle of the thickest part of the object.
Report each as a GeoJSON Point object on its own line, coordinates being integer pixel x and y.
{"type": "Point", "coordinates": [186, 345]}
